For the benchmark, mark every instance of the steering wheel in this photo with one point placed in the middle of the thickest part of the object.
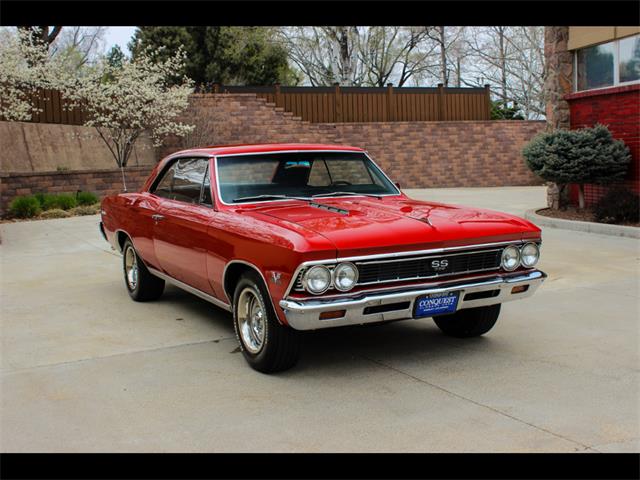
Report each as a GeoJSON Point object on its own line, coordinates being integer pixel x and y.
{"type": "Point", "coordinates": [340, 182]}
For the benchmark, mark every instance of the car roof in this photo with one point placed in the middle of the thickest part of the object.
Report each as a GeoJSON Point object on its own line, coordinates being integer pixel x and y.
{"type": "Point", "coordinates": [266, 148]}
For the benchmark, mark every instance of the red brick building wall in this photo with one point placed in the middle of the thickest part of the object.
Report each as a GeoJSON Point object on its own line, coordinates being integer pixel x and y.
{"type": "Point", "coordinates": [619, 109]}
{"type": "Point", "coordinates": [416, 154]}
{"type": "Point", "coordinates": [100, 182]}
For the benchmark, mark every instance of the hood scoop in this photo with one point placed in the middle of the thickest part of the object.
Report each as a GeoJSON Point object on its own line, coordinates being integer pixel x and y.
{"type": "Point", "coordinates": [330, 208]}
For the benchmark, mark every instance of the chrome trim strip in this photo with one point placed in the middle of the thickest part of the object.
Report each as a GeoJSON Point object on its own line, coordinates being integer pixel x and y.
{"type": "Point", "coordinates": [190, 289]}
{"type": "Point", "coordinates": [391, 288]}
{"type": "Point", "coordinates": [244, 262]}
{"type": "Point", "coordinates": [396, 255]}
{"type": "Point", "coordinates": [422, 258]}
{"type": "Point", "coordinates": [304, 315]}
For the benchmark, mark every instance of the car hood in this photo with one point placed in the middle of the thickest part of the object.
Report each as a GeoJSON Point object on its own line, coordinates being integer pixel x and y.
{"type": "Point", "coordinates": [368, 226]}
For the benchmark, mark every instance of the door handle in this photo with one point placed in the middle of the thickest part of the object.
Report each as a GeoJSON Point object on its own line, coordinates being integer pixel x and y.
{"type": "Point", "coordinates": [157, 217]}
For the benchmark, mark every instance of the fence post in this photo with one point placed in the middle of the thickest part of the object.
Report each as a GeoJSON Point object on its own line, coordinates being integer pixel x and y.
{"type": "Point", "coordinates": [440, 102]}
{"type": "Point", "coordinates": [487, 92]}
{"type": "Point", "coordinates": [337, 104]}
{"type": "Point", "coordinates": [390, 104]}
{"type": "Point", "coordinates": [277, 95]}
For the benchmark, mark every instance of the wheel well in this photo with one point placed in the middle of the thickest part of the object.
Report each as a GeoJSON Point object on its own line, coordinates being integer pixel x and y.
{"type": "Point", "coordinates": [232, 276]}
{"type": "Point", "coordinates": [121, 237]}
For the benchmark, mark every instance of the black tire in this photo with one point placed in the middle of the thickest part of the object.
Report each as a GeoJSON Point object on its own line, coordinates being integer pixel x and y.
{"type": "Point", "coordinates": [146, 286]}
{"type": "Point", "coordinates": [471, 322]}
{"type": "Point", "coordinates": [279, 347]}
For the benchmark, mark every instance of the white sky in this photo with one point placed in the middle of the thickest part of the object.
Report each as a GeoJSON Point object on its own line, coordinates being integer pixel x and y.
{"type": "Point", "coordinates": [119, 36]}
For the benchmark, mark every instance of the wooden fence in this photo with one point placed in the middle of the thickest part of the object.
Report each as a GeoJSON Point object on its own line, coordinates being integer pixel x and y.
{"type": "Point", "coordinates": [52, 108]}
{"type": "Point", "coordinates": [363, 104]}
{"type": "Point", "coordinates": [329, 104]}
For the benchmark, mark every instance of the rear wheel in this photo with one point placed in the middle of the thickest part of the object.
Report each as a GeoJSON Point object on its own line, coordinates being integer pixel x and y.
{"type": "Point", "coordinates": [141, 284]}
{"type": "Point", "coordinates": [470, 322]}
{"type": "Point", "coordinates": [266, 345]}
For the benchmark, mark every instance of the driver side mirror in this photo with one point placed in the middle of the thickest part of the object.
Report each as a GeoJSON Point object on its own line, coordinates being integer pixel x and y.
{"type": "Point", "coordinates": [397, 184]}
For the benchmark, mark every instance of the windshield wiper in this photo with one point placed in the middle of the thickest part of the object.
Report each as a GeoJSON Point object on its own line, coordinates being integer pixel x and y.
{"type": "Point", "coordinates": [269, 197]}
{"type": "Point", "coordinates": [334, 194]}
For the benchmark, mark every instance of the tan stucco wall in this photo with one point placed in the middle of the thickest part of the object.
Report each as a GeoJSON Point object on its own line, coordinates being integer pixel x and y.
{"type": "Point", "coordinates": [41, 147]}
{"type": "Point", "coordinates": [584, 36]}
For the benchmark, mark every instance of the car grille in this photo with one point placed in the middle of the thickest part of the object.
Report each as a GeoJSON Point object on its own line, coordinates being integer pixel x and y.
{"type": "Point", "coordinates": [422, 267]}
{"type": "Point", "coordinates": [417, 268]}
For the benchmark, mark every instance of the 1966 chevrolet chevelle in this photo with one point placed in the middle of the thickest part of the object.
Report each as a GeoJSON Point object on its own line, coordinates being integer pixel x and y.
{"type": "Point", "coordinates": [294, 237]}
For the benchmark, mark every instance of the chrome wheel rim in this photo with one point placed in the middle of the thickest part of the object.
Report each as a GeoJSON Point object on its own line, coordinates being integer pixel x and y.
{"type": "Point", "coordinates": [131, 268]}
{"type": "Point", "coordinates": [251, 320]}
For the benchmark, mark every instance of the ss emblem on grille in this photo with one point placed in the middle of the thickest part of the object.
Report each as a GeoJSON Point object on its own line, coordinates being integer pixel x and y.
{"type": "Point", "coordinates": [439, 265]}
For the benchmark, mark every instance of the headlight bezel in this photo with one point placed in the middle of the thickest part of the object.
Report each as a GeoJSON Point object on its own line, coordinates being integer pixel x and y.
{"type": "Point", "coordinates": [334, 275]}
{"type": "Point", "coordinates": [305, 278]}
{"type": "Point", "coordinates": [537, 258]}
{"type": "Point", "coordinates": [502, 258]}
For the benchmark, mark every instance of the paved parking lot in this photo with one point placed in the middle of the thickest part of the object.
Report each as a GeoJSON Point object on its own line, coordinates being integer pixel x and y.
{"type": "Point", "coordinates": [86, 369]}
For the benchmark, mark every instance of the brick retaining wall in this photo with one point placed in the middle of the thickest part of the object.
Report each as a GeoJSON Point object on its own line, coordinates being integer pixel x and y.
{"type": "Point", "coordinates": [100, 182]}
{"type": "Point", "coordinates": [416, 154]}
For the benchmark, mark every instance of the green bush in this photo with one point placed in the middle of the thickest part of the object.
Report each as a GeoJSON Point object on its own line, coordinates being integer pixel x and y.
{"type": "Point", "coordinates": [26, 206]}
{"type": "Point", "coordinates": [86, 198]}
{"type": "Point", "coordinates": [619, 205]}
{"type": "Point", "coordinates": [55, 213]}
{"type": "Point", "coordinates": [502, 111]}
{"type": "Point", "coordinates": [588, 155]}
{"type": "Point", "coordinates": [64, 201]}
{"type": "Point", "coordinates": [47, 200]}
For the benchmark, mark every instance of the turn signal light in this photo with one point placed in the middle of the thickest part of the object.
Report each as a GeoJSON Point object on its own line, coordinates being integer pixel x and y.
{"type": "Point", "coordinates": [520, 289]}
{"type": "Point", "coordinates": [332, 314]}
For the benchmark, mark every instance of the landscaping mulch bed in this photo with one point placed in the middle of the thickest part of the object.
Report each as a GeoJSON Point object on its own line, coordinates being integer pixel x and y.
{"type": "Point", "coordinates": [585, 215]}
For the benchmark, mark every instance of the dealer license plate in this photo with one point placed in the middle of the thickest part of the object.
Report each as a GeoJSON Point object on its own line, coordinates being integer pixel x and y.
{"type": "Point", "coordinates": [436, 304]}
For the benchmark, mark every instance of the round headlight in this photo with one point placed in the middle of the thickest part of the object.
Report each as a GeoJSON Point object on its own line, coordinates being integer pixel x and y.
{"type": "Point", "coordinates": [345, 276]}
{"type": "Point", "coordinates": [529, 254]}
{"type": "Point", "coordinates": [317, 279]}
{"type": "Point", "coordinates": [510, 258]}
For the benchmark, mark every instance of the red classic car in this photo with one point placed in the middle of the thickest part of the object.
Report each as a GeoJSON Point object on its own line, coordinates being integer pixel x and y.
{"type": "Point", "coordinates": [293, 237]}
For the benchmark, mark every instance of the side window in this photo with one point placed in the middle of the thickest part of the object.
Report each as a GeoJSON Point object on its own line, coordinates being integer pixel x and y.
{"type": "Point", "coordinates": [183, 180]}
{"type": "Point", "coordinates": [319, 176]}
{"type": "Point", "coordinates": [187, 180]}
{"type": "Point", "coordinates": [351, 172]}
{"type": "Point", "coordinates": [163, 187]}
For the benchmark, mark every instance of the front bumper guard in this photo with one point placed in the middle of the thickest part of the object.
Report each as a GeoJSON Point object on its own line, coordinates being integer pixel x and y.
{"type": "Point", "coordinates": [304, 314]}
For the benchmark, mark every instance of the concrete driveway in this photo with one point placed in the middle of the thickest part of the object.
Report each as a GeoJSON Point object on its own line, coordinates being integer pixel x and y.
{"type": "Point", "coordinates": [86, 369]}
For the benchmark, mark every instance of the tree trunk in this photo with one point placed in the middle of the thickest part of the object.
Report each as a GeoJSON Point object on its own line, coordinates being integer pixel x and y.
{"type": "Point", "coordinates": [443, 57]}
{"type": "Point", "coordinates": [581, 196]}
{"type": "Point", "coordinates": [503, 67]}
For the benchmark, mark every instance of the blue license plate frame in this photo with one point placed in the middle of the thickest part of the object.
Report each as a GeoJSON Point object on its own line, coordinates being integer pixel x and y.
{"type": "Point", "coordinates": [435, 304]}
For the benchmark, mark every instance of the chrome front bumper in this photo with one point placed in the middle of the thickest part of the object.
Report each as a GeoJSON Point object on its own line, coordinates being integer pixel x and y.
{"type": "Point", "coordinates": [304, 314]}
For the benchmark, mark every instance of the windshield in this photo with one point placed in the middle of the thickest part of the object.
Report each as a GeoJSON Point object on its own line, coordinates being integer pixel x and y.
{"type": "Point", "coordinates": [299, 174]}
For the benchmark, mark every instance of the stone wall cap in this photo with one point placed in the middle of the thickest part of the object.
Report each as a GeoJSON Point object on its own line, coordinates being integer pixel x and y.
{"type": "Point", "coordinates": [140, 168]}
{"type": "Point", "coordinates": [603, 91]}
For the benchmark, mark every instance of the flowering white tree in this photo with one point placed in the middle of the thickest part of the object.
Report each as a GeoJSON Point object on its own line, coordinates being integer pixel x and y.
{"type": "Point", "coordinates": [25, 68]}
{"type": "Point", "coordinates": [122, 102]}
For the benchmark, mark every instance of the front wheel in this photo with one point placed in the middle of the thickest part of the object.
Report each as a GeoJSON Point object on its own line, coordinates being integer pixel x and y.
{"type": "Point", "coordinates": [266, 345]}
{"type": "Point", "coordinates": [141, 284]}
{"type": "Point", "coordinates": [471, 322]}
